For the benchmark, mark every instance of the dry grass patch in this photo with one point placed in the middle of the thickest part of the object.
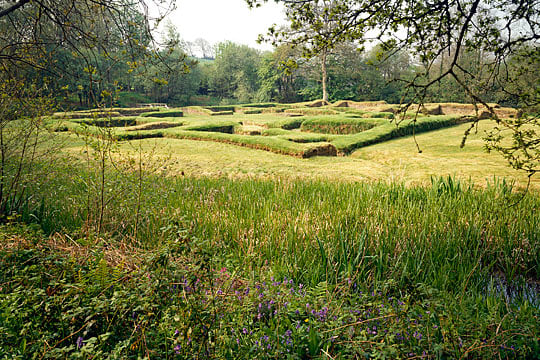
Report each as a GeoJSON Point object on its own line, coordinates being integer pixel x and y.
{"type": "Point", "coordinates": [249, 130]}
{"type": "Point", "coordinates": [318, 103]}
{"type": "Point", "coordinates": [114, 253]}
{"type": "Point", "coordinates": [321, 150]}
{"type": "Point", "coordinates": [469, 110]}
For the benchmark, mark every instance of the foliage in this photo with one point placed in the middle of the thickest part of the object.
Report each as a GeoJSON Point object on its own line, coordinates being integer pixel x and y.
{"type": "Point", "coordinates": [175, 302]}
{"type": "Point", "coordinates": [234, 72]}
{"type": "Point", "coordinates": [22, 135]}
{"type": "Point", "coordinates": [472, 45]}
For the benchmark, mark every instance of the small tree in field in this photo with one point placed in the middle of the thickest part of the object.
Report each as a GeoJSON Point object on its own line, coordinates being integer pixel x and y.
{"type": "Point", "coordinates": [24, 142]}
{"type": "Point", "coordinates": [316, 38]}
{"type": "Point", "coordinates": [47, 48]}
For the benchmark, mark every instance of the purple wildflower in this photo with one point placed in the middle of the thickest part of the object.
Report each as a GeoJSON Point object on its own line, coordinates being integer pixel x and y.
{"type": "Point", "coordinates": [80, 342]}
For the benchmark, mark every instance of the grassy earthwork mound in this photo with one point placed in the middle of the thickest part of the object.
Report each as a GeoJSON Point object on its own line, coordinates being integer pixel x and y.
{"type": "Point", "coordinates": [302, 130]}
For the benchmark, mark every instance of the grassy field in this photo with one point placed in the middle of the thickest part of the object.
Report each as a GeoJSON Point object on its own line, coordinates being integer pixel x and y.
{"type": "Point", "coordinates": [198, 144]}
{"type": "Point", "coordinates": [391, 161]}
{"type": "Point", "coordinates": [170, 247]}
{"type": "Point", "coordinates": [342, 130]}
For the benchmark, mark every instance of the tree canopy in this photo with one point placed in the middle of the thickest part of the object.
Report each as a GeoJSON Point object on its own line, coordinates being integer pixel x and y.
{"type": "Point", "coordinates": [482, 46]}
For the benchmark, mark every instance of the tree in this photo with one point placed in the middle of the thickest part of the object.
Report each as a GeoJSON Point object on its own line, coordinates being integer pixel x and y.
{"type": "Point", "coordinates": [206, 49]}
{"type": "Point", "coordinates": [47, 48]}
{"type": "Point", "coordinates": [79, 44]}
{"type": "Point", "coordinates": [280, 78]}
{"type": "Point", "coordinates": [501, 30]}
{"type": "Point", "coordinates": [176, 77]}
{"type": "Point", "coordinates": [235, 71]}
{"type": "Point", "coordinates": [316, 38]}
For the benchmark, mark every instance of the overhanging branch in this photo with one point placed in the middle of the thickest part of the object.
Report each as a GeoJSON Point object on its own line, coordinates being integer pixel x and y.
{"type": "Point", "coordinates": [12, 8]}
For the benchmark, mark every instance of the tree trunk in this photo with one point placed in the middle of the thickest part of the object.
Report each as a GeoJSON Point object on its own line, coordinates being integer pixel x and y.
{"type": "Point", "coordinates": [324, 76]}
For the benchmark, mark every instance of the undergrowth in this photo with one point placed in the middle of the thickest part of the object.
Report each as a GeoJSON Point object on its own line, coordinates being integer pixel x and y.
{"type": "Point", "coordinates": [175, 302]}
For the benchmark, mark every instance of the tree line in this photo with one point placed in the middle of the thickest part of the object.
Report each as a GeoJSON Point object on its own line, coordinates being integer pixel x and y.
{"type": "Point", "coordinates": [86, 53]}
{"type": "Point", "coordinates": [89, 52]}
{"type": "Point", "coordinates": [236, 73]}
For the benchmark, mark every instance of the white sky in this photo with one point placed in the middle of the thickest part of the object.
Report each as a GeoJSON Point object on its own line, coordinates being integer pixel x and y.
{"type": "Point", "coordinates": [220, 20]}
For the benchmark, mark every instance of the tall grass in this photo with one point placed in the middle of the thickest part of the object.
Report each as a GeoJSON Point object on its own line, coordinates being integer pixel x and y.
{"type": "Point", "coordinates": [449, 235]}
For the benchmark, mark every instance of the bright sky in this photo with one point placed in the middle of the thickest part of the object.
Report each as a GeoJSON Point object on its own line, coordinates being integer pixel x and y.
{"type": "Point", "coordinates": [219, 20]}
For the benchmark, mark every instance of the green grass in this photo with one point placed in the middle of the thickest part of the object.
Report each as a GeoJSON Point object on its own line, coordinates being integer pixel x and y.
{"type": "Point", "coordinates": [163, 113]}
{"type": "Point", "coordinates": [259, 105]}
{"type": "Point", "coordinates": [406, 249]}
{"type": "Point", "coordinates": [169, 302]}
{"type": "Point", "coordinates": [314, 231]}
{"type": "Point", "coordinates": [390, 161]}
{"type": "Point", "coordinates": [312, 111]}
{"type": "Point", "coordinates": [220, 108]}
{"type": "Point", "coordinates": [349, 143]}
{"type": "Point", "coordinates": [339, 125]}
{"type": "Point", "coordinates": [341, 132]}
{"type": "Point", "coordinates": [127, 99]}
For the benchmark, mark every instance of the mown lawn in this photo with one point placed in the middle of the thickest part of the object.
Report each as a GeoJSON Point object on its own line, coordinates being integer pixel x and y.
{"type": "Point", "coordinates": [394, 160]}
